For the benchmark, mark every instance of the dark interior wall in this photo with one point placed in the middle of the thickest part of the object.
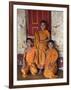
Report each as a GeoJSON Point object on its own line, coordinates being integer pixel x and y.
{"type": "Point", "coordinates": [34, 18]}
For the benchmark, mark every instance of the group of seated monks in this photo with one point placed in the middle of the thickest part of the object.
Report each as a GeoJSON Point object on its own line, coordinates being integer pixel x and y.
{"type": "Point", "coordinates": [47, 66]}
{"type": "Point", "coordinates": [40, 57]}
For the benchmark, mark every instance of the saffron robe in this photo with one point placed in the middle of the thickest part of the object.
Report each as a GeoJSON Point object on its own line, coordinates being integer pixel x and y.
{"type": "Point", "coordinates": [29, 56]}
{"type": "Point", "coordinates": [40, 43]}
{"type": "Point", "coordinates": [51, 63]}
{"type": "Point", "coordinates": [29, 59]}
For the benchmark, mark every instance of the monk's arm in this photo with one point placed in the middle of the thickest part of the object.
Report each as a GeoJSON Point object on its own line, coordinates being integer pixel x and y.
{"type": "Point", "coordinates": [52, 59]}
{"type": "Point", "coordinates": [48, 34]}
{"type": "Point", "coordinates": [36, 40]}
{"type": "Point", "coordinates": [55, 57]}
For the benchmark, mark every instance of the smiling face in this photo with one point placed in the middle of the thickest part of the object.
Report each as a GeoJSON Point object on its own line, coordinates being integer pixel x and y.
{"type": "Point", "coordinates": [43, 26]}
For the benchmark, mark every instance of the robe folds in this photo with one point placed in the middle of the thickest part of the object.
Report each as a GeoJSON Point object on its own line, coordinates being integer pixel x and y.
{"type": "Point", "coordinates": [40, 43]}
{"type": "Point", "coordinates": [51, 63]}
{"type": "Point", "coordinates": [29, 56]}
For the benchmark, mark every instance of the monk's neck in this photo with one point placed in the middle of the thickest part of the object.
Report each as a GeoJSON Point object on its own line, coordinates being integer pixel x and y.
{"type": "Point", "coordinates": [51, 48]}
{"type": "Point", "coordinates": [43, 29]}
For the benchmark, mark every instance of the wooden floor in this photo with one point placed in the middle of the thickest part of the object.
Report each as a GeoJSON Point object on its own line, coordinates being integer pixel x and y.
{"type": "Point", "coordinates": [31, 77]}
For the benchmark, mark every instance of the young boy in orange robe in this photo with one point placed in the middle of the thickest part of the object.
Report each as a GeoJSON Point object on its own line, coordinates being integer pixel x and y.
{"type": "Point", "coordinates": [29, 56]}
{"type": "Point", "coordinates": [40, 43]}
{"type": "Point", "coordinates": [50, 69]}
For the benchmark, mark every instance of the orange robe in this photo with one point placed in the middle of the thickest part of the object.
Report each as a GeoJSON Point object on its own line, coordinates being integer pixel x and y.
{"type": "Point", "coordinates": [40, 43]}
{"type": "Point", "coordinates": [29, 56]}
{"type": "Point", "coordinates": [51, 64]}
{"type": "Point", "coordinates": [29, 59]}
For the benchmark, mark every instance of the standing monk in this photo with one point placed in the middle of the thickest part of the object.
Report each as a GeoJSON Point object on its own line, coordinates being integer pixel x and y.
{"type": "Point", "coordinates": [40, 43]}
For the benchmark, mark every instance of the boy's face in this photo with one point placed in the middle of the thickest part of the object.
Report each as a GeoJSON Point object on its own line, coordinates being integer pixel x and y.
{"type": "Point", "coordinates": [29, 43]}
{"type": "Point", "coordinates": [50, 45]}
{"type": "Point", "coordinates": [42, 26]}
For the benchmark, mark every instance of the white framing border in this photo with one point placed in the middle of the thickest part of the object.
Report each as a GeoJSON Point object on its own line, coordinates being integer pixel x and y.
{"type": "Point", "coordinates": [43, 81]}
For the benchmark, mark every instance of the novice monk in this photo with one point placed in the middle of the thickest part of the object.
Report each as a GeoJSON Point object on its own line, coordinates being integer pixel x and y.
{"type": "Point", "coordinates": [51, 61]}
{"type": "Point", "coordinates": [29, 56]}
{"type": "Point", "coordinates": [40, 42]}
